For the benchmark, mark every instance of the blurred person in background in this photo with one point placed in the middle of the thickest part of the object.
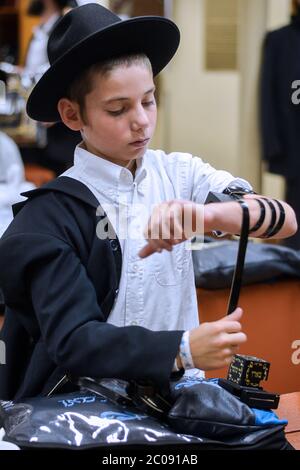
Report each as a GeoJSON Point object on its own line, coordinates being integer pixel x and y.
{"type": "Point", "coordinates": [280, 115]}
{"type": "Point", "coordinates": [50, 12]}
{"type": "Point", "coordinates": [56, 143]}
{"type": "Point", "coordinates": [12, 179]}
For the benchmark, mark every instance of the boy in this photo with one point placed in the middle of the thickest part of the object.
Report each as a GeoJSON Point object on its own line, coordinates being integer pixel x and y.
{"type": "Point", "coordinates": [79, 298]}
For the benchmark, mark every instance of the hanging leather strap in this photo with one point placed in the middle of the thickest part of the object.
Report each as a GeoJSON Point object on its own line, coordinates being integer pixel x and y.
{"type": "Point", "coordinates": [239, 267]}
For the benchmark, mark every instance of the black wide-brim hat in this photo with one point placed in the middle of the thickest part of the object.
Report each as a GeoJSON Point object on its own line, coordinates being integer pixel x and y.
{"type": "Point", "coordinates": [89, 34]}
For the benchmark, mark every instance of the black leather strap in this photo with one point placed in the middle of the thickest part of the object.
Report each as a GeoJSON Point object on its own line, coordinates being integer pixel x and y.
{"type": "Point", "coordinates": [239, 267]}
{"type": "Point", "coordinates": [148, 398]}
{"type": "Point", "coordinates": [261, 217]}
{"type": "Point", "coordinates": [269, 230]}
{"type": "Point", "coordinates": [281, 219]}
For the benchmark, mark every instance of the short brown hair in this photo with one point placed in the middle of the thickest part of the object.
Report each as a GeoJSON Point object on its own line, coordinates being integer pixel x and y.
{"type": "Point", "coordinates": [83, 84]}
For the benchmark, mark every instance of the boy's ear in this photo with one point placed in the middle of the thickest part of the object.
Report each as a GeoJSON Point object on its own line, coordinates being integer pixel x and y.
{"type": "Point", "coordinates": [70, 114]}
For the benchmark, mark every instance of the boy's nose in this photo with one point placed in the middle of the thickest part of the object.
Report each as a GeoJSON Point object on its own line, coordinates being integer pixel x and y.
{"type": "Point", "coordinates": [140, 119]}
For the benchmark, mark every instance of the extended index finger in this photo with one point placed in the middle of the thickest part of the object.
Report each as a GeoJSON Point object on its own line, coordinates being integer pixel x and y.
{"type": "Point", "coordinates": [147, 251]}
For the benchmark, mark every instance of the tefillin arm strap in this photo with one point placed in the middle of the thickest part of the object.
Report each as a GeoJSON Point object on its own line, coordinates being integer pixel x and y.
{"type": "Point", "coordinates": [273, 228]}
{"type": "Point", "coordinates": [240, 262]}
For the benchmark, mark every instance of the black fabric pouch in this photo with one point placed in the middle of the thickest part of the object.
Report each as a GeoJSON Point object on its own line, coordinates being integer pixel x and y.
{"type": "Point", "coordinates": [215, 262]}
{"type": "Point", "coordinates": [203, 408]}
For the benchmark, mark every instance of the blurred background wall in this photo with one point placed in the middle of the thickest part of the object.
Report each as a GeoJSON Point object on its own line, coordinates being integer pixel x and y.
{"type": "Point", "coordinates": [208, 95]}
{"type": "Point", "coordinates": [213, 113]}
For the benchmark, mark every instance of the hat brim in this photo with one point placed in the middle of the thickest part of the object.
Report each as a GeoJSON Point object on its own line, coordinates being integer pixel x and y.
{"type": "Point", "coordinates": [156, 37]}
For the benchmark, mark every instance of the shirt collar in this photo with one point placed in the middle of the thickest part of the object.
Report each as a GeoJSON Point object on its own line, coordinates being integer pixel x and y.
{"type": "Point", "coordinates": [103, 173]}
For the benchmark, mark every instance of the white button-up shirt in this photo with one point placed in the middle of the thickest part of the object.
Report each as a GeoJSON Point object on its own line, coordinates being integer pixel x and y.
{"type": "Point", "coordinates": [157, 292]}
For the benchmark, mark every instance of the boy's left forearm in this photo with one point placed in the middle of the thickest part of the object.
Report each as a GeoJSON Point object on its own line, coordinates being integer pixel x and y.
{"type": "Point", "coordinates": [227, 217]}
{"type": "Point", "coordinates": [175, 221]}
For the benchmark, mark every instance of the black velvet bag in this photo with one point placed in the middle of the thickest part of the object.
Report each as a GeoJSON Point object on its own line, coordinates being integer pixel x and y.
{"type": "Point", "coordinates": [83, 420]}
{"type": "Point", "coordinates": [202, 415]}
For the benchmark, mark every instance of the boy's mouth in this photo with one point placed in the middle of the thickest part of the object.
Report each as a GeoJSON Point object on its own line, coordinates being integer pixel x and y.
{"type": "Point", "coordinates": [139, 143]}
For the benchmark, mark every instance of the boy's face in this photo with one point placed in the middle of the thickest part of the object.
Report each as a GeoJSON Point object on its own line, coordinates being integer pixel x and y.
{"type": "Point", "coordinates": [120, 114]}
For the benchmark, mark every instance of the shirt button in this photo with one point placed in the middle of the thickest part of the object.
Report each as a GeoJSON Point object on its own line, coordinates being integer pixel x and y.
{"type": "Point", "coordinates": [135, 267]}
{"type": "Point", "coordinates": [134, 323]}
{"type": "Point", "coordinates": [114, 245]}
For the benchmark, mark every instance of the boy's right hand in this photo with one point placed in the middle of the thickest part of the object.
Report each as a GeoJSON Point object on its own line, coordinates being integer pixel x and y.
{"type": "Point", "coordinates": [214, 344]}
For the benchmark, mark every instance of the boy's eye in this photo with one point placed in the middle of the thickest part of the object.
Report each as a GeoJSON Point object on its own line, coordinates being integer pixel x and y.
{"type": "Point", "coordinates": [148, 103]}
{"type": "Point", "coordinates": [116, 113]}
